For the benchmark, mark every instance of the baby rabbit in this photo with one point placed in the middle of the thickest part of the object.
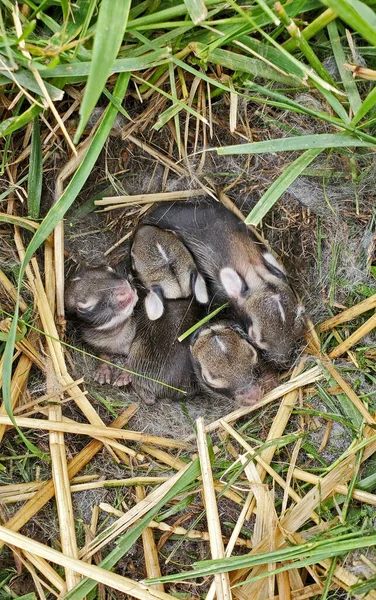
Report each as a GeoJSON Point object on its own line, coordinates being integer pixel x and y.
{"type": "Point", "coordinates": [166, 268]}
{"type": "Point", "coordinates": [241, 270]}
{"type": "Point", "coordinates": [102, 302]}
{"type": "Point", "coordinates": [225, 362]}
{"type": "Point", "coordinates": [220, 360]}
{"type": "Point", "coordinates": [156, 352]}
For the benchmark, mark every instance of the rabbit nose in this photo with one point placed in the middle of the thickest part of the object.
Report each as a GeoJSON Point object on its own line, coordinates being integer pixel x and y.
{"type": "Point", "coordinates": [249, 395]}
{"type": "Point", "coordinates": [125, 294]}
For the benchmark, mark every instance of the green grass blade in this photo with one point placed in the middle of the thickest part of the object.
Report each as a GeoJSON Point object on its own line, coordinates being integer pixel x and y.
{"type": "Point", "coordinates": [34, 186]}
{"type": "Point", "coordinates": [287, 103]}
{"type": "Point", "coordinates": [174, 94]}
{"type": "Point", "coordinates": [312, 29]}
{"type": "Point", "coordinates": [111, 25]}
{"type": "Point", "coordinates": [166, 115]}
{"type": "Point", "coordinates": [65, 7]}
{"type": "Point", "coordinates": [270, 54]}
{"type": "Point", "coordinates": [121, 65]}
{"type": "Point", "coordinates": [6, 43]}
{"type": "Point", "coordinates": [126, 541]}
{"type": "Point", "coordinates": [347, 78]}
{"type": "Point", "coordinates": [197, 10]}
{"type": "Point", "coordinates": [53, 217]}
{"type": "Point", "coordinates": [368, 103]}
{"type": "Point", "coordinates": [14, 123]}
{"type": "Point", "coordinates": [360, 589]}
{"type": "Point", "coordinates": [26, 80]}
{"type": "Point", "coordinates": [167, 14]}
{"type": "Point", "coordinates": [307, 72]}
{"type": "Point", "coordinates": [117, 104]}
{"type": "Point", "coordinates": [239, 62]}
{"type": "Point", "coordinates": [11, 189]}
{"type": "Point", "coordinates": [175, 100]}
{"type": "Point", "coordinates": [356, 14]}
{"type": "Point", "coordinates": [202, 322]}
{"type": "Point", "coordinates": [272, 16]}
{"type": "Point", "coordinates": [90, 6]}
{"type": "Point", "coordinates": [301, 142]}
{"type": "Point", "coordinates": [28, 30]}
{"type": "Point", "coordinates": [335, 104]}
{"type": "Point", "coordinates": [280, 186]}
{"type": "Point", "coordinates": [308, 553]}
{"type": "Point", "coordinates": [304, 46]}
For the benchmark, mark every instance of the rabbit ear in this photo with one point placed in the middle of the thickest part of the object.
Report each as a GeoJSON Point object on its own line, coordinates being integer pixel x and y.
{"type": "Point", "coordinates": [232, 282]}
{"type": "Point", "coordinates": [199, 288]}
{"type": "Point", "coordinates": [154, 305]}
{"type": "Point", "coordinates": [273, 265]}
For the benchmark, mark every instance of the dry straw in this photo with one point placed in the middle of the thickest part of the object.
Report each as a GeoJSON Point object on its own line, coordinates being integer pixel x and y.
{"type": "Point", "coordinates": [20, 492]}
{"type": "Point", "coordinates": [52, 338]}
{"type": "Point", "coordinates": [91, 430]}
{"type": "Point", "coordinates": [221, 580]}
{"type": "Point", "coordinates": [75, 465]}
{"type": "Point", "coordinates": [63, 496]}
{"type": "Point", "coordinates": [114, 202]}
{"type": "Point", "coordinates": [11, 290]}
{"type": "Point", "coordinates": [296, 382]}
{"type": "Point", "coordinates": [349, 314]}
{"type": "Point", "coordinates": [18, 383]}
{"type": "Point", "coordinates": [178, 530]}
{"type": "Point", "coordinates": [123, 584]}
{"type": "Point", "coordinates": [354, 338]}
{"type": "Point", "coordinates": [132, 515]}
{"type": "Point", "coordinates": [152, 566]}
{"type": "Point", "coordinates": [270, 531]}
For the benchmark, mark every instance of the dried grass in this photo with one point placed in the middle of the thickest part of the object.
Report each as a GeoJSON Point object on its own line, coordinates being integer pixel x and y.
{"type": "Point", "coordinates": [266, 500]}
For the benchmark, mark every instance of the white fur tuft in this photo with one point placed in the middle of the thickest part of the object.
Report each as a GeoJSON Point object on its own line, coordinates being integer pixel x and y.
{"type": "Point", "coordinates": [200, 290]}
{"type": "Point", "coordinates": [231, 282]}
{"type": "Point", "coordinates": [88, 305]}
{"type": "Point", "coordinates": [221, 344]}
{"type": "Point", "coordinates": [277, 299]}
{"type": "Point", "coordinates": [153, 306]}
{"type": "Point", "coordinates": [299, 312]}
{"type": "Point", "coordinates": [162, 252]}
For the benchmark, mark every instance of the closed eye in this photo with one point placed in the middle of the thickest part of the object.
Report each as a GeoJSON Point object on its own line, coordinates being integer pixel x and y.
{"type": "Point", "coordinates": [212, 380]}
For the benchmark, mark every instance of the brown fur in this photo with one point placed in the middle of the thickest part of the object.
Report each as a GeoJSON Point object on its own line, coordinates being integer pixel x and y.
{"type": "Point", "coordinates": [102, 303]}
{"type": "Point", "coordinates": [225, 362]}
{"type": "Point", "coordinates": [254, 281]}
{"type": "Point", "coordinates": [170, 267]}
{"type": "Point", "coordinates": [165, 267]}
{"type": "Point", "coordinates": [156, 352]}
